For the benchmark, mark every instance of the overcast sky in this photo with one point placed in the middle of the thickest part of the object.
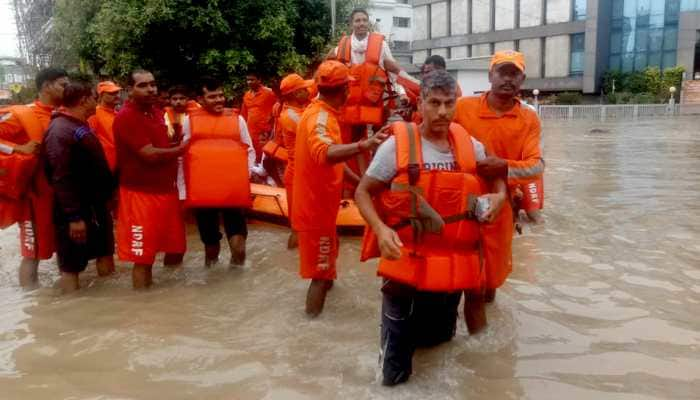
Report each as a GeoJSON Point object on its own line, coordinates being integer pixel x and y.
{"type": "Point", "coordinates": [8, 31]}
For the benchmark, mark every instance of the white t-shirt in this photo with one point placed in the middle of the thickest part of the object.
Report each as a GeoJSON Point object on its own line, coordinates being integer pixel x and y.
{"type": "Point", "coordinates": [383, 165]}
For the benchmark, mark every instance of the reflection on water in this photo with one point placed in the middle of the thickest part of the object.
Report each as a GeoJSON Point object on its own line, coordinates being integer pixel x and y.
{"type": "Point", "coordinates": [602, 304]}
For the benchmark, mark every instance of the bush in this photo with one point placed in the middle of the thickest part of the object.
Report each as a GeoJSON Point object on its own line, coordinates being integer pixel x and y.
{"type": "Point", "coordinates": [645, 98]}
{"type": "Point", "coordinates": [649, 82]}
{"type": "Point", "coordinates": [568, 98]}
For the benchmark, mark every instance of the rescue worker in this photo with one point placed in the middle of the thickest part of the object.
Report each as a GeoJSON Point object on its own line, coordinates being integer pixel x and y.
{"type": "Point", "coordinates": [295, 96]}
{"type": "Point", "coordinates": [177, 120]}
{"type": "Point", "coordinates": [318, 179]}
{"type": "Point", "coordinates": [257, 111]}
{"type": "Point", "coordinates": [149, 216]}
{"type": "Point", "coordinates": [371, 64]}
{"type": "Point", "coordinates": [83, 185]}
{"type": "Point", "coordinates": [511, 132]}
{"type": "Point", "coordinates": [425, 225]}
{"type": "Point", "coordinates": [213, 120]}
{"type": "Point", "coordinates": [274, 159]}
{"type": "Point", "coordinates": [430, 64]}
{"type": "Point", "coordinates": [103, 119]}
{"type": "Point", "coordinates": [22, 131]}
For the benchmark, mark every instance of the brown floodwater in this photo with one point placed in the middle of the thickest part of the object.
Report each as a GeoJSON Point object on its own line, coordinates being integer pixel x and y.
{"type": "Point", "coordinates": [603, 304]}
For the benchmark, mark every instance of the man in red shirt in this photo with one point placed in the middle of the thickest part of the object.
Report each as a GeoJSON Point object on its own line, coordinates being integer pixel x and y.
{"type": "Point", "coordinates": [149, 219]}
{"type": "Point", "coordinates": [257, 112]}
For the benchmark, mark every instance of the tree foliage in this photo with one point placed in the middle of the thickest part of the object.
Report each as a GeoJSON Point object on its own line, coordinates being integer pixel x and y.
{"type": "Point", "coordinates": [181, 40]}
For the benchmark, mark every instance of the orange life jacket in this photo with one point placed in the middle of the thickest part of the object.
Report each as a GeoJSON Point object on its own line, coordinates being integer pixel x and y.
{"type": "Point", "coordinates": [17, 171]}
{"type": "Point", "coordinates": [192, 106]}
{"type": "Point", "coordinates": [441, 262]}
{"type": "Point", "coordinates": [365, 103]}
{"type": "Point", "coordinates": [174, 122]}
{"type": "Point", "coordinates": [275, 146]}
{"type": "Point", "coordinates": [216, 164]}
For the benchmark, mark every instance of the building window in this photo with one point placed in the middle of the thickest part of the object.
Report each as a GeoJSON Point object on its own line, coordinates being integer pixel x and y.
{"type": "Point", "coordinates": [643, 33]}
{"type": "Point", "coordinates": [578, 48]}
{"type": "Point", "coordinates": [579, 10]}
{"type": "Point", "coordinates": [401, 22]}
{"type": "Point", "coordinates": [400, 45]}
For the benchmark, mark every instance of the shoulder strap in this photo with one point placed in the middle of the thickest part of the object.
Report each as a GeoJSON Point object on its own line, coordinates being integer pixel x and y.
{"type": "Point", "coordinates": [374, 48]}
{"type": "Point", "coordinates": [344, 49]}
{"type": "Point", "coordinates": [463, 148]}
{"type": "Point", "coordinates": [409, 150]}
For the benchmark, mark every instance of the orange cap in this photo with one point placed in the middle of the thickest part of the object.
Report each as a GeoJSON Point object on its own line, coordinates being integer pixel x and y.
{"type": "Point", "coordinates": [293, 82]}
{"type": "Point", "coordinates": [107, 87]}
{"type": "Point", "coordinates": [508, 56]}
{"type": "Point", "coordinates": [332, 73]}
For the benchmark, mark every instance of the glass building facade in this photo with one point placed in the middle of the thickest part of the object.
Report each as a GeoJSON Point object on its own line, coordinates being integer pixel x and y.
{"type": "Point", "coordinates": [643, 33]}
{"type": "Point", "coordinates": [690, 5]}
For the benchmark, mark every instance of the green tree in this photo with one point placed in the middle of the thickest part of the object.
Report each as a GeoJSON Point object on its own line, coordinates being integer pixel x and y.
{"type": "Point", "coordinates": [182, 40]}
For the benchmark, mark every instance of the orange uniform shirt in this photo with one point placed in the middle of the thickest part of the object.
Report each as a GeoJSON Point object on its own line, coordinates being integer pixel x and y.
{"type": "Point", "coordinates": [317, 183]}
{"type": "Point", "coordinates": [257, 112]}
{"type": "Point", "coordinates": [36, 227]}
{"type": "Point", "coordinates": [287, 128]}
{"type": "Point", "coordinates": [11, 128]}
{"type": "Point", "coordinates": [101, 124]}
{"type": "Point", "coordinates": [513, 136]}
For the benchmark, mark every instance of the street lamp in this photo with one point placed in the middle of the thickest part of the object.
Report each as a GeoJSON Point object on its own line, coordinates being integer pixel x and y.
{"type": "Point", "coordinates": [672, 100]}
{"type": "Point", "coordinates": [536, 93]}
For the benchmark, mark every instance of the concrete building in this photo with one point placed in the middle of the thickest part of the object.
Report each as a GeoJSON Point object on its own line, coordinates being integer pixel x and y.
{"type": "Point", "coordinates": [568, 44]}
{"type": "Point", "coordinates": [394, 19]}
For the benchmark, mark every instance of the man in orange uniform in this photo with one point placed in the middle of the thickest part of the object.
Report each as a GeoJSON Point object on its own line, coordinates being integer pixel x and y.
{"type": "Point", "coordinates": [103, 119]}
{"type": "Point", "coordinates": [318, 180]}
{"type": "Point", "coordinates": [22, 131]}
{"type": "Point", "coordinates": [150, 216]}
{"type": "Point", "coordinates": [257, 111]}
{"type": "Point", "coordinates": [511, 132]}
{"type": "Point", "coordinates": [295, 96]}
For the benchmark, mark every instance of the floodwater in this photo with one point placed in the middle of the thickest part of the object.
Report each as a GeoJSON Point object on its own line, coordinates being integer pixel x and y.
{"type": "Point", "coordinates": [603, 303]}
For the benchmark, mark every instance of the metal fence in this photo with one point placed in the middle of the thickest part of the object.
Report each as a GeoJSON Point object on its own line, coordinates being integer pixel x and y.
{"type": "Point", "coordinates": [615, 111]}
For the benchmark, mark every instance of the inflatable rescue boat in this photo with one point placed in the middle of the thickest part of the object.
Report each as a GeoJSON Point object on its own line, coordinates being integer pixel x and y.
{"type": "Point", "coordinates": [270, 204]}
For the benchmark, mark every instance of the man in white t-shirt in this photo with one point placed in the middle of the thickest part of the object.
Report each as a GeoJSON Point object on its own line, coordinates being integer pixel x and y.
{"type": "Point", "coordinates": [413, 317]}
{"type": "Point", "coordinates": [369, 96]}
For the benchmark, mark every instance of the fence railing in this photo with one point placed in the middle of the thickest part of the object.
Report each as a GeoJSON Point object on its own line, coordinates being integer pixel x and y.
{"type": "Point", "coordinates": [616, 111]}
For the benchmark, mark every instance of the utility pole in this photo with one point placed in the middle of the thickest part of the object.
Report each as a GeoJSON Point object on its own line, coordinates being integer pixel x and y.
{"type": "Point", "coordinates": [332, 18]}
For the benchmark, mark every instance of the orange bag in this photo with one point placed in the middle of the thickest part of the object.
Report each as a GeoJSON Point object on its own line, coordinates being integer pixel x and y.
{"type": "Point", "coordinates": [275, 150]}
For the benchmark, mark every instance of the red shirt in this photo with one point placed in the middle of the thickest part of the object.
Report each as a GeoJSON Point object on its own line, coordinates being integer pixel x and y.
{"type": "Point", "coordinates": [133, 130]}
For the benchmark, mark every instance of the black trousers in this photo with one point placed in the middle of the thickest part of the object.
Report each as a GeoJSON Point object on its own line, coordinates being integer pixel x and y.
{"type": "Point", "coordinates": [208, 223]}
{"type": "Point", "coordinates": [73, 257]}
{"type": "Point", "coordinates": [411, 319]}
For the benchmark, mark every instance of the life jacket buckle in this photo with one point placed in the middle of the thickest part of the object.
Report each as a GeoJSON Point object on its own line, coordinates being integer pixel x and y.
{"type": "Point", "coordinates": [413, 174]}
